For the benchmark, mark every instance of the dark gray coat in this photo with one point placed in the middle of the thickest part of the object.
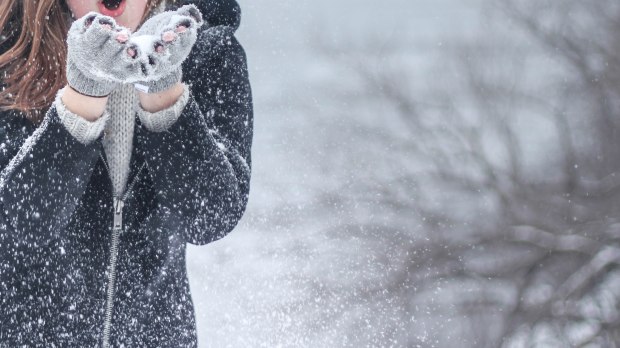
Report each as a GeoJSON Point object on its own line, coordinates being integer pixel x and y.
{"type": "Point", "coordinates": [189, 184]}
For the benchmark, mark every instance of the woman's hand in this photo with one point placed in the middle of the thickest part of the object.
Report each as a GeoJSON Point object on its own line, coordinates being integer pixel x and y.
{"type": "Point", "coordinates": [102, 55]}
{"type": "Point", "coordinates": [98, 58]}
{"type": "Point", "coordinates": [162, 44]}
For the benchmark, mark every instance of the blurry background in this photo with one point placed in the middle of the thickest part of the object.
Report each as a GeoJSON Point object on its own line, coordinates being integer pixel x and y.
{"type": "Point", "coordinates": [426, 173]}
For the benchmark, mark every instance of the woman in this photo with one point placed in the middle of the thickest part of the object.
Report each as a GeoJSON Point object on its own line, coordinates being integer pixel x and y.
{"type": "Point", "coordinates": [121, 140]}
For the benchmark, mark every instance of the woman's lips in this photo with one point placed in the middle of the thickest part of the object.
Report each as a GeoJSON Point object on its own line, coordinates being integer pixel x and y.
{"type": "Point", "coordinates": [112, 13]}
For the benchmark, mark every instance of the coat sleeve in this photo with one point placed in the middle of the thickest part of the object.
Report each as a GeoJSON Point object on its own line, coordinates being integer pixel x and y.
{"type": "Point", "coordinates": [200, 166]}
{"type": "Point", "coordinates": [44, 174]}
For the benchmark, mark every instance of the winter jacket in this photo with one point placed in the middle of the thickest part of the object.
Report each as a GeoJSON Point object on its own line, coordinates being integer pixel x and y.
{"type": "Point", "coordinates": [188, 184]}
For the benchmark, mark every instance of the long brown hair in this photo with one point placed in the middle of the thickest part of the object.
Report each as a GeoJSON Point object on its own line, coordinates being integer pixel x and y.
{"type": "Point", "coordinates": [33, 53]}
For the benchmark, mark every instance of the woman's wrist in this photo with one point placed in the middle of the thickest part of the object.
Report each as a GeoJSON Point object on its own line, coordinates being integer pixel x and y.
{"type": "Point", "coordinates": [90, 108]}
{"type": "Point", "coordinates": [154, 102]}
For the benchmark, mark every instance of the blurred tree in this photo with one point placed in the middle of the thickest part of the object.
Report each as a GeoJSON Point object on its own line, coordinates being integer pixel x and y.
{"type": "Point", "coordinates": [493, 184]}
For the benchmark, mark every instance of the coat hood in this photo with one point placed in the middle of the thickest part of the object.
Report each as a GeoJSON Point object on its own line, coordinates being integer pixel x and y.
{"type": "Point", "coordinates": [218, 12]}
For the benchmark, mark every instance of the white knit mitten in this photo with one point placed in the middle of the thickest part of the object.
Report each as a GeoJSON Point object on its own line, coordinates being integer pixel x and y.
{"type": "Point", "coordinates": [163, 42]}
{"type": "Point", "coordinates": [98, 58]}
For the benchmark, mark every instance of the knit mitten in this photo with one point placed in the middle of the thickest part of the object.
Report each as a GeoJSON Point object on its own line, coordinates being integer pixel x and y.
{"type": "Point", "coordinates": [162, 44]}
{"type": "Point", "coordinates": [98, 59]}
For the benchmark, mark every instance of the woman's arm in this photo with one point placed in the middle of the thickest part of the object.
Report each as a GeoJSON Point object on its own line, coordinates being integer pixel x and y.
{"type": "Point", "coordinates": [43, 176]}
{"type": "Point", "coordinates": [90, 108]}
{"type": "Point", "coordinates": [155, 102]}
{"type": "Point", "coordinates": [200, 165]}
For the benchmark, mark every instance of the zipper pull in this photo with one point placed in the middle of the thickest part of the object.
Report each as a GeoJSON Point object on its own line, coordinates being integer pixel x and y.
{"type": "Point", "coordinates": [118, 213]}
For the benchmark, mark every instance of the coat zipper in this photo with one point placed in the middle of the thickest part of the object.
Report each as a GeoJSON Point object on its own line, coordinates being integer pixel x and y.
{"type": "Point", "coordinates": [117, 227]}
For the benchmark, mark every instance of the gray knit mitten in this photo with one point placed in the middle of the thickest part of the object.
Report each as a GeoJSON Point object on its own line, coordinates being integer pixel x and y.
{"type": "Point", "coordinates": [98, 59]}
{"type": "Point", "coordinates": [162, 44]}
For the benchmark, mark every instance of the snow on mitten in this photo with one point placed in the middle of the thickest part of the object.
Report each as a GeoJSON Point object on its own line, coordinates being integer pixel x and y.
{"type": "Point", "coordinates": [97, 57]}
{"type": "Point", "coordinates": [162, 44]}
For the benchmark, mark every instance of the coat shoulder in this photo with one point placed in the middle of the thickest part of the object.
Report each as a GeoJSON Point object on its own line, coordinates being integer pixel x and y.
{"type": "Point", "coordinates": [217, 12]}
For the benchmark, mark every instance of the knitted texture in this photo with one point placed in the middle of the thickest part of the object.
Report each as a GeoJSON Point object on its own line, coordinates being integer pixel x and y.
{"type": "Point", "coordinates": [162, 120]}
{"type": "Point", "coordinates": [118, 122]}
{"type": "Point", "coordinates": [83, 130]}
{"type": "Point", "coordinates": [118, 139]}
{"type": "Point", "coordinates": [163, 42]}
{"type": "Point", "coordinates": [97, 62]}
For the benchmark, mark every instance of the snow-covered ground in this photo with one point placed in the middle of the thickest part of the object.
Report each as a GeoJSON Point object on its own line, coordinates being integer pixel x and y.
{"type": "Point", "coordinates": [288, 276]}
